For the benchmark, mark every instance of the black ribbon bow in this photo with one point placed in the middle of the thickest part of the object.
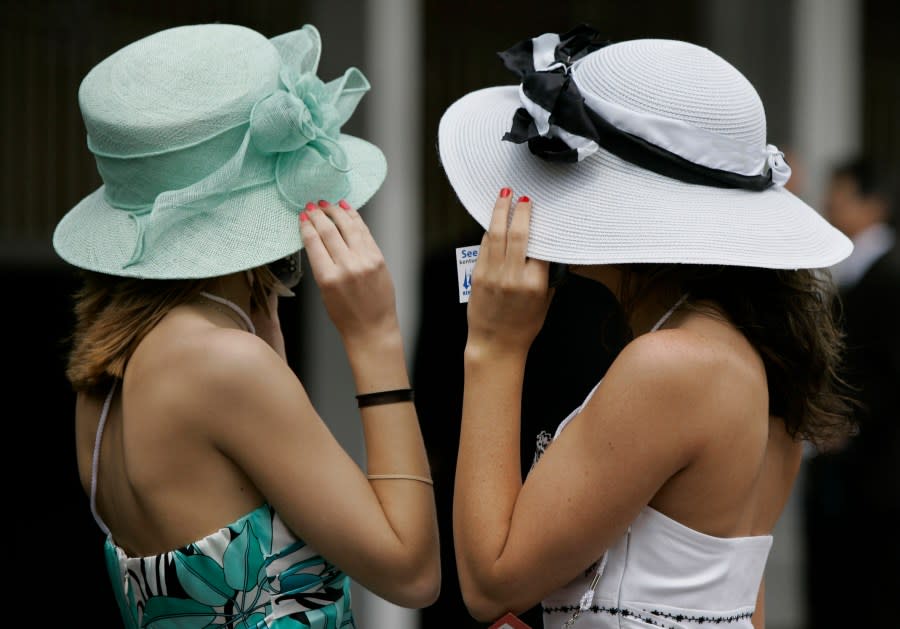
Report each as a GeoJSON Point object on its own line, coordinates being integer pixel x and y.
{"type": "Point", "coordinates": [551, 88]}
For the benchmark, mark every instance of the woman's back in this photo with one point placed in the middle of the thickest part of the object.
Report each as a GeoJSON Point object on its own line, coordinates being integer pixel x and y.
{"type": "Point", "coordinates": [188, 532]}
{"type": "Point", "coordinates": [744, 472]}
{"type": "Point", "coordinates": [161, 480]}
{"type": "Point", "coordinates": [696, 553]}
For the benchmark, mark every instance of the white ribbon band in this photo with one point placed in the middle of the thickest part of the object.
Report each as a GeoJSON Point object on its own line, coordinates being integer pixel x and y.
{"type": "Point", "coordinates": [694, 144]}
{"type": "Point", "coordinates": [543, 51]}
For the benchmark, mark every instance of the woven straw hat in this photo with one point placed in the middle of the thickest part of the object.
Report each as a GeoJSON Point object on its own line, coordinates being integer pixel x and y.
{"type": "Point", "coordinates": [640, 151]}
{"type": "Point", "coordinates": [209, 138]}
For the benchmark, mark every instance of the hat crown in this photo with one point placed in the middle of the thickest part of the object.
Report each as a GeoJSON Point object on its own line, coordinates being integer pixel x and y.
{"type": "Point", "coordinates": [176, 88]}
{"type": "Point", "coordinates": [676, 80]}
{"type": "Point", "coordinates": [208, 138]}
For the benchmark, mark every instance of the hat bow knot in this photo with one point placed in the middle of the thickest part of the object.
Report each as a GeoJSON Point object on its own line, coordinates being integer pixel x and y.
{"type": "Point", "coordinates": [290, 139]}
{"type": "Point", "coordinates": [562, 123]}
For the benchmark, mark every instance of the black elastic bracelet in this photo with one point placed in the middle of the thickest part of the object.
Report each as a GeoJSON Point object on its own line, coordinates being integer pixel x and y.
{"type": "Point", "coordinates": [384, 397]}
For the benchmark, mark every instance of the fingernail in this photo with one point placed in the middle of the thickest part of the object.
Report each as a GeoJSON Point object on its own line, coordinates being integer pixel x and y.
{"type": "Point", "coordinates": [344, 204]}
{"type": "Point", "coordinates": [524, 199]}
{"type": "Point", "coordinates": [310, 206]}
{"type": "Point", "coordinates": [323, 204]}
{"type": "Point", "coordinates": [303, 217]}
{"type": "Point", "coordinates": [505, 192]}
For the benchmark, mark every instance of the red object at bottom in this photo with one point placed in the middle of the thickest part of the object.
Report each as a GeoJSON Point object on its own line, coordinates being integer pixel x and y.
{"type": "Point", "coordinates": [509, 622]}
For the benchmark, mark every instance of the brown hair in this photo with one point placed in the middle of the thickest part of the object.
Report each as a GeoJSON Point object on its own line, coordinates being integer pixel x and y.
{"type": "Point", "coordinates": [791, 317]}
{"type": "Point", "coordinates": [114, 314]}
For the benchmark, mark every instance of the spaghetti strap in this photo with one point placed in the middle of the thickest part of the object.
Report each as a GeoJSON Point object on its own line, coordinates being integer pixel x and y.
{"type": "Point", "coordinates": [230, 304]}
{"type": "Point", "coordinates": [669, 313]}
{"type": "Point", "coordinates": [95, 462]}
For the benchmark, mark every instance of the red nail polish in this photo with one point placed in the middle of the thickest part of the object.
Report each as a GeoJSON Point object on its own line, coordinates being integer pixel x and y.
{"type": "Point", "coordinates": [303, 217]}
{"type": "Point", "coordinates": [344, 204]}
{"type": "Point", "coordinates": [323, 204]}
{"type": "Point", "coordinates": [524, 199]}
{"type": "Point", "coordinates": [310, 206]}
{"type": "Point", "coordinates": [505, 192]}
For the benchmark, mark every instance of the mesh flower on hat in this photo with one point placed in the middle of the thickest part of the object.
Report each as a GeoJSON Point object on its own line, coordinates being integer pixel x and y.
{"type": "Point", "coordinates": [302, 123]}
{"type": "Point", "coordinates": [291, 140]}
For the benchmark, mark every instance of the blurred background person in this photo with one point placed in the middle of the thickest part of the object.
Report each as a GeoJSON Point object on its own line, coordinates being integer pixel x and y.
{"type": "Point", "coordinates": [859, 202]}
{"type": "Point", "coordinates": [852, 501]}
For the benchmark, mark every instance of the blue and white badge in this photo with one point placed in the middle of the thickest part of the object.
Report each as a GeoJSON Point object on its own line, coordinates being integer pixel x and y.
{"type": "Point", "coordinates": [465, 264]}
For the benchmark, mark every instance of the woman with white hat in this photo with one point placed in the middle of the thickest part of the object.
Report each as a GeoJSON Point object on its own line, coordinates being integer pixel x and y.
{"type": "Point", "coordinates": [642, 165]}
{"type": "Point", "coordinates": [225, 498]}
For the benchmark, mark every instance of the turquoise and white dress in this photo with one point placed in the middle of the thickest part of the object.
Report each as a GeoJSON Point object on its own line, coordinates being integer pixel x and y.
{"type": "Point", "coordinates": [251, 574]}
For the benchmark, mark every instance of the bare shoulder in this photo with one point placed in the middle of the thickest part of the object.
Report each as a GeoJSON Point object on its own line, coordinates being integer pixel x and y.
{"type": "Point", "coordinates": [674, 361]}
{"type": "Point", "coordinates": [687, 378]}
{"type": "Point", "coordinates": [662, 403]}
{"type": "Point", "coordinates": [206, 372]}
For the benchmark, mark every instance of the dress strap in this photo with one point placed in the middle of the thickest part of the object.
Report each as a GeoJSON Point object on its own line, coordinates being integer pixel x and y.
{"type": "Point", "coordinates": [669, 313]}
{"type": "Point", "coordinates": [575, 412]}
{"type": "Point", "coordinates": [95, 462]}
{"type": "Point", "coordinates": [230, 304]}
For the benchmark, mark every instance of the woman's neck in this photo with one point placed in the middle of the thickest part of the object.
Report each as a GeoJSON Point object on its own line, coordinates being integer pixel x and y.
{"type": "Point", "coordinates": [235, 288]}
{"type": "Point", "coordinates": [648, 310]}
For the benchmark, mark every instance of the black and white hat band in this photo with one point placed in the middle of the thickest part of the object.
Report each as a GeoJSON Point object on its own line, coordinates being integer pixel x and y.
{"type": "Point", "coordinates": [562, 122]}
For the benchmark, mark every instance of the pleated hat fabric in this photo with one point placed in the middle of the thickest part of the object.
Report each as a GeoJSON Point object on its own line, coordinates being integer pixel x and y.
{"type": "Point", "coordinates": [606, 210]}
{"type": "Point", "coordinates": [209, 139]}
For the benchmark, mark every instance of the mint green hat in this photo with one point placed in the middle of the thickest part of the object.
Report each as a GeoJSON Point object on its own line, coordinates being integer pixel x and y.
{"type": "Point", "coordinates": [209, 139]}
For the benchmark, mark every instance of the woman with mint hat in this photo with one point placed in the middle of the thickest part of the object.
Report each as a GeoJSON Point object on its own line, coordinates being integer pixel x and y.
{"type": "Point", "coordinates": [225, 499]}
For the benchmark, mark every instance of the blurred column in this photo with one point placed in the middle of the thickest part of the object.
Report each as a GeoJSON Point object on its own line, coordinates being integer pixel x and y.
{"type": "Point", "coordinates": [827, 115]}
{"type": "Point", "coordinates": [393, 53]}
{"type": "Point", "coordinates": [827, 87]}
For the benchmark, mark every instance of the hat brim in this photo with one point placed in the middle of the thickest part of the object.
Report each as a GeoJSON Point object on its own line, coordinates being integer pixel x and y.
{"type": "Point", "coordinates": [253, 227]}
{"type": "Point", "coordinates": [604, 210]}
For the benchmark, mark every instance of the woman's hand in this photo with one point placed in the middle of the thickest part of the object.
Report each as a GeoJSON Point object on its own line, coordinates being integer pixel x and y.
{"type": "Point", "coordinates": [510, 295]}
{"type": "Point", "coordinates": [350, 270]}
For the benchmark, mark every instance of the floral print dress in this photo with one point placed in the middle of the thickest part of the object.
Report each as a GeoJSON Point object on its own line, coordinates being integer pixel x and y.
{"type": "Point", "coordinates": [252, 574]}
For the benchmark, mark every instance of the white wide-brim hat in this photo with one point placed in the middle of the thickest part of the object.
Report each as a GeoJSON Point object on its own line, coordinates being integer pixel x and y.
{"type": "Point", "coordinates": [682, 101]}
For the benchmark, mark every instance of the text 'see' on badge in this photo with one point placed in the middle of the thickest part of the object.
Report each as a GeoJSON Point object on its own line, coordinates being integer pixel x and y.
{"type": "Point", "coordinates": [465, 264]}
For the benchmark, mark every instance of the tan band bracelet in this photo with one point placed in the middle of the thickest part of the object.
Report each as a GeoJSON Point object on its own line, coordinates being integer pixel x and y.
{"type": "Point", "coordinates": [421, 479]}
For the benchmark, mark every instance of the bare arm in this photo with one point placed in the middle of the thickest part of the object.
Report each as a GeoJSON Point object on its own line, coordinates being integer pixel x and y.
{"type": "Point", "coordinates": [383, 533]}
{"type": "Point", "coordinates": [517, 542]}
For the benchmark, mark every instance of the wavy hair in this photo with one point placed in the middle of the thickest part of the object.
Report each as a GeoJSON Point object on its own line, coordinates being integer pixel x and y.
{"type": "Point", "coordinates": [791, 317]}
